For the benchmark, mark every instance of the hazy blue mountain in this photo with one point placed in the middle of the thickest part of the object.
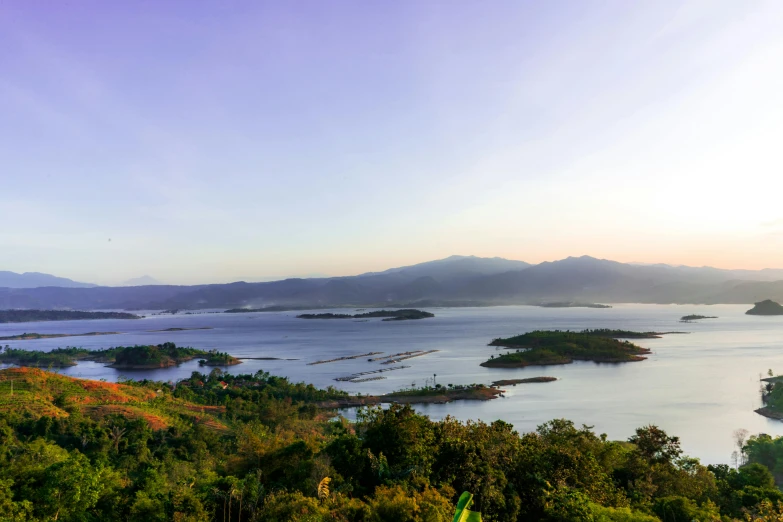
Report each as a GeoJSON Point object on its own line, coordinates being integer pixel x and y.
{"type": "Point", "coordinates": [37, 279]}
{"type": "Point", "coordinates": [451, 281]}
{"type": "Point", "coordinates": [766, 274]}
{"type": "Point", "coordinates": [598, 280]}
{"type": "Point", "coordinates": [457, 267]}
{"type": "Point", "coordinates": [142, 281]}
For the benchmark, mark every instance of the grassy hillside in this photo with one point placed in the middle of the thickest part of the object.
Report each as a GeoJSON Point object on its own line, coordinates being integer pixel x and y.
{"type": "Point", "coordinates": [31, 391]}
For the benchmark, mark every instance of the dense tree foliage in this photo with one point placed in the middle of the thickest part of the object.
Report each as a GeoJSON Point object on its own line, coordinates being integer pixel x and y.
{"type": "Point", "coordinates": [137, 356]}
{"type": "Point", "coordinates": [257, 447]}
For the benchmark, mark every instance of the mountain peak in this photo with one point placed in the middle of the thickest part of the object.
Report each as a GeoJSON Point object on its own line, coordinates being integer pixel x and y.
{"type": "Point", "coordinates": [144, 280]}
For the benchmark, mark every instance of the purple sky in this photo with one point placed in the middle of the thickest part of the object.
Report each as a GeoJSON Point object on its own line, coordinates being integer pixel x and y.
{"type": "Point", "coordinates": [212, 141]}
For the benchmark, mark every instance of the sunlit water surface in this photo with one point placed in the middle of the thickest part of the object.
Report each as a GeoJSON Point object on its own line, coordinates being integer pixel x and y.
{"type": "Point", "coordinates": [701, 386]}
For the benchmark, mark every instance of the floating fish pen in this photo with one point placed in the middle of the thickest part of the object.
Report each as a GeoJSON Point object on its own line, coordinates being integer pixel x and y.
{"type": "Point", "coordinates": [365, 379]}
{"type": "Point", "coordinates": [411, 356]}
{"type": "Point", "coordinates": [394, 356]}
{"type": "Point", "coordinates": [350, 378]}
{"type": "Point", "coordinates": [347, 357]}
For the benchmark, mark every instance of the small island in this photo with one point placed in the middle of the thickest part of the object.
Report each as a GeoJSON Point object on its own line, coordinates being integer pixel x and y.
{"type": "Point", "coordinates": [28, 316]}
{"type": "Point", "coordinates": [388, 315]}
{"type": "Point", "coordinates": [514, 382]}
{"type": "Point", "coordinates": [695, 317]}
{"type": "Point", "coordinates": [570, 304]}
{"type": "Point", "coordinates": [216, 358]}
{"type": "Point", "coordinates": [148, 357]}
{"type": "Point", "coordinates": [542, 348]}
{"type": "Point", "coordinates": [766, 307]}
{"type": "Point", "coordinates": [139, 357]}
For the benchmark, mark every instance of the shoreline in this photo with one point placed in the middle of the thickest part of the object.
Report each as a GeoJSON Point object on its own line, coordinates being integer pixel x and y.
{"type": "Point", "coordinates": [769, 413]}
{"type": "Point", "coordinates": [605, 360]}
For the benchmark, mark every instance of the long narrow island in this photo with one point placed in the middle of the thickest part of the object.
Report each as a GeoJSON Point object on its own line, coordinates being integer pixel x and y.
{"type": "Point", "coordinates": [388, 315]}
{"type": "Point", "coordinates": [139, 357]}
{"type": "Point", "coordinates": [543, 347]}
{"type": "Point", "coordinates": [29, 316]}
{"type": "Point", "coordinates": [33, 336]}
{"type": "Point", "coordinates": [571, 304]}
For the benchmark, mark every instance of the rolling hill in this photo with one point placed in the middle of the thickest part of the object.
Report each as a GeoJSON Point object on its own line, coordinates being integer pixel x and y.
{"type": "Point", "coordinates": [37, 279]}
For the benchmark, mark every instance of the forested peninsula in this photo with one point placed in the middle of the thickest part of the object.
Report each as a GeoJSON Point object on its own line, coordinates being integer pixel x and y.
{"type": "Point", "coordinates": [139, 357]}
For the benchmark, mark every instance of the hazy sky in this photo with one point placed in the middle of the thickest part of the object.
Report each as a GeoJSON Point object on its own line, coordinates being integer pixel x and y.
{"type": "Point", "coordinates": [217, 140]}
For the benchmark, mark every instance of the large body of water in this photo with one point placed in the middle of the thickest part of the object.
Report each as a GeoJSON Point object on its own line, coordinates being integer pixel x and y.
{"type": "Point", "coordinates": [701, 386]}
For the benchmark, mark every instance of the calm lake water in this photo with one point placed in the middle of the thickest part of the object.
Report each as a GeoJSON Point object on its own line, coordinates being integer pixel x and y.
{"type": "Point", "coordinates": [701, 386]}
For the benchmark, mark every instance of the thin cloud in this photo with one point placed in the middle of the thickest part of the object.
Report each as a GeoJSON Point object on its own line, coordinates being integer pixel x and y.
{"type": "Point", "coordinates": [773, 224]}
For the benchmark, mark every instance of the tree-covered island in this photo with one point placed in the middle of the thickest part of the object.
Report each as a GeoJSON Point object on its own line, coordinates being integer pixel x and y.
{"type": "Point", "coordinates": [766, 307]}
{"type": "Point", "coordinates": [388, 315]}
{"type": "Point", "coordinates": [216, 358]}
{"type": "Point", "coordinates": [540, 348]}
{"type": "Point", "coordinates": [695, 317]}
{"type": "Point", "coordinates": [27, 316]}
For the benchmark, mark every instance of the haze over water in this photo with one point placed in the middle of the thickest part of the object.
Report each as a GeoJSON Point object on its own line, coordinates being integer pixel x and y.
{"type": "Point", "coordinates": [701, 386]}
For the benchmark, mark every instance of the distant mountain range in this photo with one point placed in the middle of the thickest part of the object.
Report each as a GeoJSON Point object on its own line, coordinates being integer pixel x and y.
{"type": "Point", "coordinates": [454, 281]}
{"type": "Point", "coordinates": [37, 279]}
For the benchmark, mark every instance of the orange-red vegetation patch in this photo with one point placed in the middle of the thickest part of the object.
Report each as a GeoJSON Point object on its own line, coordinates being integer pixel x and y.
{"type": "Point", "coordinates": [112, 392]}
{"type": "Point", "coordinates": [156, 422]}
{"type": "Point", "coordinates": [198, 408]}
{"type": "Point", "coordinates": [24, 372]}
{"type": "Point", "coordinates": [212, 424]}
{"type": "Point", "coordinates": [36, 407]}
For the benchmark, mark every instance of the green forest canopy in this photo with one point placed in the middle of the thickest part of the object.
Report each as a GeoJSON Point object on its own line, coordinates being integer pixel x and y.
{"type": "Point", "coordinates": [256, 447]}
